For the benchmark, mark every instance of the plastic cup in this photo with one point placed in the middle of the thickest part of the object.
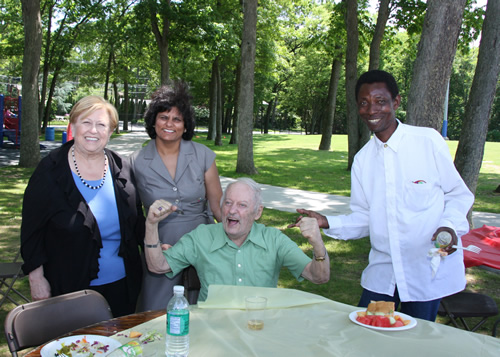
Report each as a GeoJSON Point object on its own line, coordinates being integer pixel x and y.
{"type": "Point", "coordinates": [256, 307]}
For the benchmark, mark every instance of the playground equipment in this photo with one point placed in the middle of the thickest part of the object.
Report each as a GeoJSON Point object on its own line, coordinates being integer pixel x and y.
{"type": "Point", "coordinates": [10, 119]}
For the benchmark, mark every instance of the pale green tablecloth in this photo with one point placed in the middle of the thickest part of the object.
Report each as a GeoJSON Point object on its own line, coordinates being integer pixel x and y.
{"type": "Point", "coordinates": [302, 324]}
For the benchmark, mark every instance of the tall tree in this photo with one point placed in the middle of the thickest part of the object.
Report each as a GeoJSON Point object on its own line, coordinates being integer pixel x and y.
{"type": "Point", "coordinates": [245, 163]}
{"type": "Point", "coordinates": [378, 35]}
{"type": "Point", "coordinates": [337, 33]}
{"type": "Point", "coordinates": [327, 125]}
{"type": "Point", "coordinates": [234, 129]}
{"type": "Point", "coordinates": [432, 68]}
{"type": "Point", "coordinates": [214, 80]}
{"type": "Point", "coordinates": [58, 48]}
{"type": "Point", "coordinates": [161, 10]}
{"type": "Point", "coordinates": [351, 74]}
{"type": "Point", "coordinates": [30, 149]}
{"type": "Point", "coordinates": [470, 149]}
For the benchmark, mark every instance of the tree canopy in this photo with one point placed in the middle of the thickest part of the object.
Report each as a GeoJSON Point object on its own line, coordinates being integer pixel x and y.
{"type": "Point", "coordinates": [124, 49]}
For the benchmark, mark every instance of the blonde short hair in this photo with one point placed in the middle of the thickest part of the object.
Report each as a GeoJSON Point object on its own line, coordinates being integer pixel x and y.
{"type": "Point", "coordinates": [88, 105]}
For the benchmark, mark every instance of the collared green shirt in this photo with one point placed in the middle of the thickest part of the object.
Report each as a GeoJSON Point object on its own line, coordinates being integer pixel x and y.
{"type": "Point", "coordinates": [219, 261]}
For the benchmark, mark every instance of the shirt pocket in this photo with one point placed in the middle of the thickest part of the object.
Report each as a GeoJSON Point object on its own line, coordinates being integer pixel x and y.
{"type": "Point", "coordinates": [418, 195]}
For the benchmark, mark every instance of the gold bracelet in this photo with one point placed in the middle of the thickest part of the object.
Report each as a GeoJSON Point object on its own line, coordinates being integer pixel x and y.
{"type": "Point", "coordinates": [152, 245]}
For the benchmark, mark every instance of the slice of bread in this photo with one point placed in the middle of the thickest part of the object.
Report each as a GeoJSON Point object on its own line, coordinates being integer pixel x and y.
{"type": "Point", "coordinates": [381, 308]}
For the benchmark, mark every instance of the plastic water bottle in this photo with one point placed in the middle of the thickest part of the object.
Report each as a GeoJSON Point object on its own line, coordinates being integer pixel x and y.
{"type": "Point", "coordinates": [177, 338]}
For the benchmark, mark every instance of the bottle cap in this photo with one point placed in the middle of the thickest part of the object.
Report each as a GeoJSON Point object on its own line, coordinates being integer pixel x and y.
{"type": "Point", "coordinates": [179, 289]}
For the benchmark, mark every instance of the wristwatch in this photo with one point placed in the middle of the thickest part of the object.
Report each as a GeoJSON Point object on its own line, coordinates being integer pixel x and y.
{"type": "Point", "coordinates": [152, 245]}
{"type": "Point", "coordinates": [320, 259]}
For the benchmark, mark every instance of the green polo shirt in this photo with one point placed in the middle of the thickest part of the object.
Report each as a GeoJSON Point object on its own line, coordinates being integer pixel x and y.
{"type": "Point", "coordinates": [219, 261]}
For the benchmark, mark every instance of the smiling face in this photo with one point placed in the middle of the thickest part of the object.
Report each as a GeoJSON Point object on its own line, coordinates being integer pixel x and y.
{"type": "Point", "coordinates": [92, 131]}
{"type": "Point", "coordinates": [378, 109]}
{"type": "Point", "coordinates": [239, 211]}
{"type": "Point", "coordinates": [169, 125]}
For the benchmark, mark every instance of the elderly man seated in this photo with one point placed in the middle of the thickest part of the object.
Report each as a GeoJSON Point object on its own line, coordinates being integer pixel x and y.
{"type": "Point", "coordinates": [237, 251]}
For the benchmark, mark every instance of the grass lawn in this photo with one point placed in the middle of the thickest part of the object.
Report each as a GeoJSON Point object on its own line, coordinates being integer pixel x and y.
{"type": "Point", "coordinates": [294, 161]}
{"type": "Point", "coordinates": [287, 161]}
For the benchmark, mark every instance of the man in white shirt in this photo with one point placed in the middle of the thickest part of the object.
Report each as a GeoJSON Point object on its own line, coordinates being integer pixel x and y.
{"type": "Point", "coordinates": [404, 191]}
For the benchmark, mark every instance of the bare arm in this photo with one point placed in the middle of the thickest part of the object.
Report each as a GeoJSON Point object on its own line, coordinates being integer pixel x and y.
{"type": "Point", "coordinates": [322, 221]}
{"type": "Point", "coordinates": [317, 272]}
{"type": "Point", "coordinates": [39, 286]}
{"type": "Point", "coordinates": [158, 211]}
{"type": "Point", "coordinates": [214, 190]}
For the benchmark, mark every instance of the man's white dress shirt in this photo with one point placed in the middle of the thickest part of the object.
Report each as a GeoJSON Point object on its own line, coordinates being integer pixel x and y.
{"type": "Point", "coordinates": [401, 192]}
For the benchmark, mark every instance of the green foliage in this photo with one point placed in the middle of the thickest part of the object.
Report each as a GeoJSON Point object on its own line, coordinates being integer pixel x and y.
{"type": "Point", "coordinates": [97, 42]}
{"type": "Point", "coordinates": [493, 135]}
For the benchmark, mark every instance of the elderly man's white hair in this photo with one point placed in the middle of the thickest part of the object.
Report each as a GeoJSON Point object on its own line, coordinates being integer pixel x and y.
{"type": "Point", "coordinates": [254, 186]}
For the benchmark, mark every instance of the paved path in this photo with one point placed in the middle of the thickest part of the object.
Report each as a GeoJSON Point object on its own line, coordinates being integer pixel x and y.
{"type": "Point", "coordinates": [280, 198]}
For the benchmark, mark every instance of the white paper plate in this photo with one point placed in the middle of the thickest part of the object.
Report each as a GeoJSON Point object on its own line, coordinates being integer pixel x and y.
{"type": "Point", "coordinates": [50, 349]}
{"type": "Point", "coordinates": [412, 324]}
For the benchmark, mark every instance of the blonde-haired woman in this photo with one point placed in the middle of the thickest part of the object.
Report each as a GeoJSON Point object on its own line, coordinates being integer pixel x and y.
{"type": "Point", "coordinates": [82, 217]}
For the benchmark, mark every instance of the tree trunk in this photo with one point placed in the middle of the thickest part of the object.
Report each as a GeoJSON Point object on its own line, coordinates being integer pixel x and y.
{"type": "Point", "coordinates": [327, 127]}
{"type": "Point", "coordinates": [48, 105]}
{"type": "Point", "coordinates": [212, 121]}
{"type": "Point", "coordinates": [234, 128]}
{"type": "Point", "coordinates": [470, 149]}
{"type": "Point", "coordinates": [218, 118]}
{"type": "Point", "coordinates": [351, 76]}
{"type": "Point", "coordinates": [108, 73]}
{"type": "Point", "coordinates": [378, 34]}
{"type": "Point", "coordinates": [126, 104]}
{"type": "Point", "coordinates": [117, 102]}
{"type": "Point", "coordinates": [162, 39]}
{"type": "Point", "coordinates": [267, 116]}
{"type": "Point", "coordinates": [432, 69]}
{"type": "Point", "coordinates": [226, 124]}
{"type": "Point", "coordinates": [46, 66]}
{"type": "Point", "coordinates": [245, 163]}
{"type": "Point", "coordinates": [30, 144]}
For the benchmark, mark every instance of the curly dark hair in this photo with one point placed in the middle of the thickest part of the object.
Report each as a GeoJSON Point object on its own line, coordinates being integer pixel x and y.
{"type": "Point", "coordinates": [165, 98]}
{"type": "Point", "coordinates": [375, 76]}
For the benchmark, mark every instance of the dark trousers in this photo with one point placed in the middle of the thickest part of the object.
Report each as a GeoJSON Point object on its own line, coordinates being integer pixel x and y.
{"type": "Point", "coordinates": [116, 293]}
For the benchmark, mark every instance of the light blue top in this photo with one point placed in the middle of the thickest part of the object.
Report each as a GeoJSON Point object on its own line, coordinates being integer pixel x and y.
{"type": "Point", "coordinates": [219, 261]}
{"type": "Point", "coordinates": [102, 203]}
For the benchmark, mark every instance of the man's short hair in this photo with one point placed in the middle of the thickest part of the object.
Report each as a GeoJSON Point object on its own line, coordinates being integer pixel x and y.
{"type": "Point", "coordinates": [378, 76]}
{"type": "Point", "coordinates": [254, 186]}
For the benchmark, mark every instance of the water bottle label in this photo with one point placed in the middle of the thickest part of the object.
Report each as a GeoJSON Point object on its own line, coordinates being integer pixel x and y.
{"type": "Point", "coordinates": [178, 323]}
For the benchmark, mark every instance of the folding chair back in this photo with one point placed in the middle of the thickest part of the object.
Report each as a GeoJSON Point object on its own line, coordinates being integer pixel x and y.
{"type": "Point", "coordinates": [467, 305]}
{"type": "Point", "coordinates": [38, 322]}
{"type": "Point", "coordinates": [192, 284]}
{"type": "Point", "coordinates": [11, 271]}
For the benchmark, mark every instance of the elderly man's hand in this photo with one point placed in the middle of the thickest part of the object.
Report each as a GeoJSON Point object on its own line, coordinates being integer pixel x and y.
{"type": "Point", "coordinates": [159, 210]}
{"type": "Point", "coordinates": [310, 230]}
